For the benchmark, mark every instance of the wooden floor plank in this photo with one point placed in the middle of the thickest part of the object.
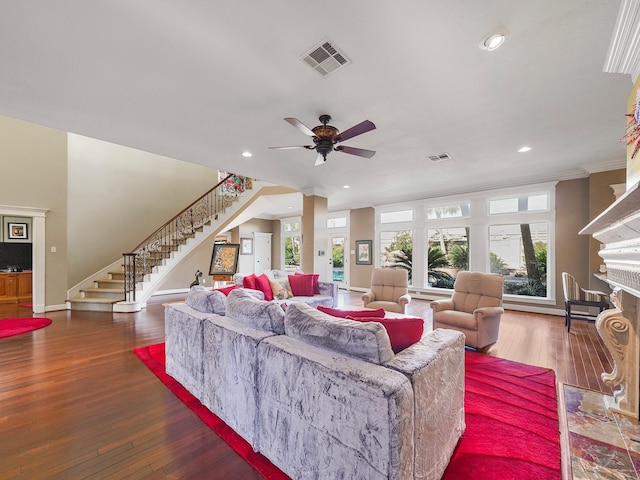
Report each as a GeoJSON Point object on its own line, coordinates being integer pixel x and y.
{"type": "Point", "coordinates": [75, 402]}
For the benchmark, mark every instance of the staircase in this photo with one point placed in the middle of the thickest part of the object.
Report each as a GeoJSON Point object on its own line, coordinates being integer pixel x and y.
{"type": "Point", "coordinates": [127, 284]}
{"type": "Point", "coordinates": [102, 295]}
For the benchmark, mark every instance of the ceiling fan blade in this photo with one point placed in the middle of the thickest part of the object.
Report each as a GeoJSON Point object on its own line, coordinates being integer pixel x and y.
{"type": "Point", "coordinates": [320, 160]}
{"type": "Point", "coordinates": [359, 129]}
{"type": "Point", "coordinates": [300, 126]}
{"type": "Point", "coordinates": [361, 152]}
{"type": "Point", "coordinates": [309, 147]}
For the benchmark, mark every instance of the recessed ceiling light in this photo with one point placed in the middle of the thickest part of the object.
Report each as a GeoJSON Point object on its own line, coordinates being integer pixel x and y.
{"type": "Point", "coordinates": [290, 207]}
{"type": "Point", "coordinates": [524, 149]}
{"type": "Point", "coordinates": [346, 186]}
{"type": "Point", "coordinates": [493, 41]}
{"type": "Point", "coordinates": [247, 154]}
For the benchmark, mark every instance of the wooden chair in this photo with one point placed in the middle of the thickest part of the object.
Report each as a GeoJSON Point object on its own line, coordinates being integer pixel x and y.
{"type": "Point", "coordinates": [574, 295]}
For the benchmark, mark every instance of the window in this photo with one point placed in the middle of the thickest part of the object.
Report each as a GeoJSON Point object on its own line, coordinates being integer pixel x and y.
{"type": "Point", "coordinates": [339, 222]}
{"type": "Point", "coordinates": [465, 232]}
{"type": "Point", "coordinates": [292, 253]}
{"type": "Point", "coordinates": [396, 250]}
{"type": "Point", "coordinates": [292, 243]}
{"type": "Point", "coordinates": [397, 216]}
{"type": "Point", "coordinates": [526, 203]}
{"type": "Point", "coordinates": [449, 211]}
{"type": "Point", "coordinates": [519, 253]}
{"type": "Point", "coordinates": [447, 254]}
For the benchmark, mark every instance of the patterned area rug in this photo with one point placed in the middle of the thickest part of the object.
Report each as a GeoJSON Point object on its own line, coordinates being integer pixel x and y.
{"type": "Point", "coordinates": [511, 414]}
{"type": "Point", "coordinates": [604, 444]}
{"type": "Point", "coordinates": [15, 326]}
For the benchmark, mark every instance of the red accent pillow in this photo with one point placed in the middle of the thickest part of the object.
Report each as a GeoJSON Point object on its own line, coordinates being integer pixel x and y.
{"type": "Point", "coordinates": [263, 284]}
{"type": "Point", "coordinates": [249, 281]}
{"type": "Point", "coordinates": [316, 279]}
{"type": "Point", "coordinates": [403, 332]}
{"type": "Point", "coordinates": [336, 312]}
{"type": "Point", "coordinates": [228, 289]}
{"type": "Point", "coordinates": [301, 285]}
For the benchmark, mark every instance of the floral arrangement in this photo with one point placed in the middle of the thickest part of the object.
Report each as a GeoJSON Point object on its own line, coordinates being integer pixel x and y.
{"type": "Point", "coordinates": [633, 126]}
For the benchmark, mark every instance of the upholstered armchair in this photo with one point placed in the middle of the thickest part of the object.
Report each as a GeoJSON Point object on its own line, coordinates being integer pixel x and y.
{"type": "Point", "coordinates": [475, 308]}
{"type": "Point", "coordinates": [389, 290]}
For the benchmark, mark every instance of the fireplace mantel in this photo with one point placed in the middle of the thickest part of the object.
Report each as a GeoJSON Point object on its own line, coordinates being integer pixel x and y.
{"type": "Point", "coordinates": [618, 230]}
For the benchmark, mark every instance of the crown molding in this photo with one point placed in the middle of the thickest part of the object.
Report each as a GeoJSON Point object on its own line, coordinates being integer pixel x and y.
{"type": "Point", "coordinates": [624, 49]}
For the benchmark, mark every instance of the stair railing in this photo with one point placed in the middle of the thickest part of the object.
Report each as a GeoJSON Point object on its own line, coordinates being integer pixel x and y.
{"type": "Point", "coordinates": [166, 239]}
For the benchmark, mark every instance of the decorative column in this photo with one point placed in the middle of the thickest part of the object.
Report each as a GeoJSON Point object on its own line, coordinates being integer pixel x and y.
{"type": "Point", "coordinates": [621, 339]}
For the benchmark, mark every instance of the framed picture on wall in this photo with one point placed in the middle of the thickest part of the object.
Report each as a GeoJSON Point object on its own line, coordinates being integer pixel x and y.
{"type": "Point", "coordinates": [224, 259]}
{"type": "Point", "coordinates": [246, 246]}
{"type": "Point", "coordinates": [17, 231]}
{"type": "Point", "coordinates": [363, 252]}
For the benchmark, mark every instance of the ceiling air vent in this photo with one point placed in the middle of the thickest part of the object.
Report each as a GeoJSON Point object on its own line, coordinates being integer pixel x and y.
{"type": "Point", "coordinates": [325, 58]}
{"type": "Point", "coordinates": [439, 158]}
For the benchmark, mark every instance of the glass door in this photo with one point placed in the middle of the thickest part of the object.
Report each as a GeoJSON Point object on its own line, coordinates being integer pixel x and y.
{"type": "Point", "coordinates": [339, 260]}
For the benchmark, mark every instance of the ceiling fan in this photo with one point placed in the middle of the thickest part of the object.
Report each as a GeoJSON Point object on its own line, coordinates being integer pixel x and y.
{"type": "Point", "coordinates": [326, 137]}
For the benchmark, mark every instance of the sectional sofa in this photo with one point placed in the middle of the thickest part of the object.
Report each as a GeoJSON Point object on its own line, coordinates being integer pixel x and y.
{"type": "Point", "coordinates": [319, 396]}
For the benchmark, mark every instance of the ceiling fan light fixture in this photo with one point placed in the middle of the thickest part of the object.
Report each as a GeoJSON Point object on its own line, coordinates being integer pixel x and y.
{"type": "Point", "coordinates": [493, 41]}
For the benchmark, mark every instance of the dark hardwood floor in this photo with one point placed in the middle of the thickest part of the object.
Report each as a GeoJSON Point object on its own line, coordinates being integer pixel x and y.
{"type": "Point", "coordinates": [76, 403]}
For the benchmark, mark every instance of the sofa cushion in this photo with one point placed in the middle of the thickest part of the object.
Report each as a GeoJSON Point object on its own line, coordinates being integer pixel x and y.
{"type": "Point", "coordinates": [206, 301]}
{"type": "Point", "coordinates": [366, 341]}
{"type": "Point", "coordinates": [264, 285]}
{"type": "Point", "coordinates": [315, 277]}
{"type": "Point", "coordinates": [403, 332]}
{"type": "Point", "coordinates": [336, 312]}
{"type": "Point", "coordinates": [280, 288]}
{"type": "Point", "coordinates": [247, 309]}
{"type": "Point", "coordinates": [249, 281]}
{"type": "Point", "coordinates": [302, 285]}
{"type": "Point", "coordinates": [227, 290]}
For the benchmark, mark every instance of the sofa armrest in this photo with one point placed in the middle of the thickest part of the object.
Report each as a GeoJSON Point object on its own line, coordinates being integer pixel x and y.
{"type": "Point", "coordinates": [368, 297]}
{"type": "Point", "coordinates": [435, 368]}
{"type": "Point", "coordinates": [488, 312]}
{"type": "Point", "coordinates": [329, 289]}
{"type": "Point", "coordinates": [442, 304]}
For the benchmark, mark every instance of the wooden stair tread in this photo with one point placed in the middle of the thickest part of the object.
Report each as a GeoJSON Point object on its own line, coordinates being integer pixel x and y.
{"type": "Point", "coordinates": [103, 290]}
{"type": "Point", "coordinates": [95, 300]}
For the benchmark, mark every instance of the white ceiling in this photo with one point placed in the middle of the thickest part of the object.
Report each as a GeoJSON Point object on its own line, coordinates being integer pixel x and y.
{"type": "Point", "coordinates": [203, 81]}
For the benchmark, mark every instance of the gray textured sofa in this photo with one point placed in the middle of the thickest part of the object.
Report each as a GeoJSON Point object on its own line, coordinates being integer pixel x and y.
{"type": "Point", "coordinates": [323, 397]}
{"type": "Point", "coordinates": [327, 296]}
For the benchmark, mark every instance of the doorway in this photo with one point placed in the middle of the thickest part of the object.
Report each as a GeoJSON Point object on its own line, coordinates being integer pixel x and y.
{"type": "Point", "coordinates": [38, 216]}
{"type": "Point", "coordinates": [262, 252]}
{"type": "Point", "coordinates": [339, 259]}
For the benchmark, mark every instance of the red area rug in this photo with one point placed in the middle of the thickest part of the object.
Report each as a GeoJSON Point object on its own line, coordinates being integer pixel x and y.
{"type": "Point", "coordinates": [511, 414]}
{"type": "Point", "coordinates": [15, 326]}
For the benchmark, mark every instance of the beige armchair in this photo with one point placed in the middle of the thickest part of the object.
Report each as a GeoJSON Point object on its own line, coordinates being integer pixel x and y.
{"type": "Point", "coordinates": [389, 290]}
{"type": "Point", "coordinates": [475, 308]}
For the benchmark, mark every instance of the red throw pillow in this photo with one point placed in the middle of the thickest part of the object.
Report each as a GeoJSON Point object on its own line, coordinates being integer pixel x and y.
{"type": "Point", "coordinates": [403, 332]}
{"type": "Point", "coordinates": [301, 285]}
{"type": "Point", "coordinates": [316, 279]}
{"type": "Point", "coordinates": [249, 281]}
{"type": "Point", "coordinates": [228, 289]}
{"type": "Point", "coordinates": [335, 312]}
{"type": "Point", "coordinates": [263, 284]}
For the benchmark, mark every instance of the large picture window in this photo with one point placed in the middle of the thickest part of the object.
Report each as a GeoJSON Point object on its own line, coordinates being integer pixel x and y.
{"type": "Point", "coordinates": [447, 254]}
{"type": "Point", "coordinates": [509, 231]}
{"type": "Point", "coordinates": [519, 253]}
{"type": "Point", "coordinates": [396, 250]}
